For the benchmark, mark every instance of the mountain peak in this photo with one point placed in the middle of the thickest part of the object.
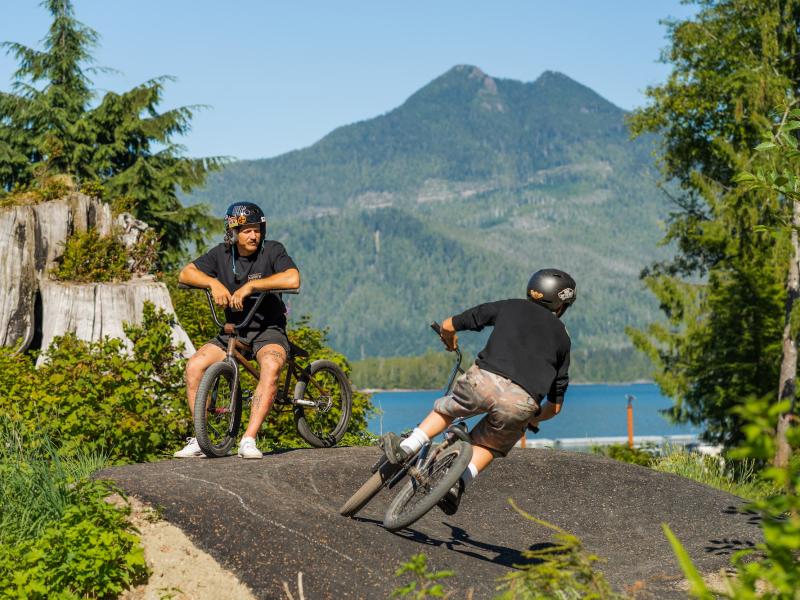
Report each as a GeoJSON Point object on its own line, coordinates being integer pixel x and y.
{"type": "Point", "coordinates": [472, 72]}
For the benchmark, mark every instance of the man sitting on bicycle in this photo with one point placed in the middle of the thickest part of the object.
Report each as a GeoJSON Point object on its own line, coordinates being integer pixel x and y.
{"type": "Point", "coordinates": [234, 271]}
{"type": "Point", "coordinates": [526, 357]}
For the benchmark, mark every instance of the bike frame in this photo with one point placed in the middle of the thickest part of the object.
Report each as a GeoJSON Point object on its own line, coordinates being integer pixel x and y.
{"type": "Point", "coordinates": [235, 348]}
{"type": "Point", "coordinates": [457, 430]}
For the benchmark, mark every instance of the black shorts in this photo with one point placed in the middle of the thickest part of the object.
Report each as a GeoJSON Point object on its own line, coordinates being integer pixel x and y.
{"type": "Point", "coordinates": [256, 340]}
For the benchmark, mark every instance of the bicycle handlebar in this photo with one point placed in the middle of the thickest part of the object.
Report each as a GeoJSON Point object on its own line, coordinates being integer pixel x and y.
{"type": "Point", "coordinates": [259, 298]}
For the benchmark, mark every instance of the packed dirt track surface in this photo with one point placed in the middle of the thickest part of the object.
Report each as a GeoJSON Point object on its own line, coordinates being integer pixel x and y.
{"type": "Point", "coordinates": [265, 520]}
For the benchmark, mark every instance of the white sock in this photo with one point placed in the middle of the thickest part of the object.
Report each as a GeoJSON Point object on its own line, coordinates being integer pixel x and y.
{"type": "Point", "coordinates": [470, 473]}
{"type": "Point", "coordinates": [415, 441]}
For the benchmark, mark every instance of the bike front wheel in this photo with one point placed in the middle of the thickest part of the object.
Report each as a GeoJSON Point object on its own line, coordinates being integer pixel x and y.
{"type": "Point", "coordinates": [323, 415]}
{"type": "Point", "coordinates": [371, 487]}
{"type": "Point", "coordinates": [425, 489]}
{"type": "Point", "coordinates": [217, 409]}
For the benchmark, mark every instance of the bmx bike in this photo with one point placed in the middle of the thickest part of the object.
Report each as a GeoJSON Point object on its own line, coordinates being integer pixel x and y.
{"type": "Point", "coordinates": [321, 399]}
{"type": "Point", "coordinates": [431, 472]}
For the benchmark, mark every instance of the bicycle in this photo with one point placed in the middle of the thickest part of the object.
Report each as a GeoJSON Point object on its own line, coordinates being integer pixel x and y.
{"type": "Point", "coordinates": [321, 401]}
{"type": "Point", "coordinates": [431, 472]}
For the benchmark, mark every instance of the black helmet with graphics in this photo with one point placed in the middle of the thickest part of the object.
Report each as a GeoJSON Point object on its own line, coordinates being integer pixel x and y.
{"type": "Point", "coordinates": [552, 289]}
{"type": "Point", "coordinates": [243, 213]}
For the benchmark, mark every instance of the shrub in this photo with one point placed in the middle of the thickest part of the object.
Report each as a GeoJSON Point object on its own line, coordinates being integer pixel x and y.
{"type": "Point", "coordinates": [425, 583]}
{"type": "Point", "coordinates": [35, 484]}
{"type": "Point", "coordinates": [564, 570]}
{"type": "Point", "coordinates": [739, 477]}
{"type": "Point", "coordinates": [58, 537]}
{"type": "Point", "coordinates": [97, 397]}
{"type": "Point", "coordinates": [93, 188]}
{"type": "Point", "coordinates": [770, 570]}
{"type": "Point", "coordinates": [89, 551]}
{"type": "Point", "coordinates": [92, 258]}
{"type": "Point", "coordinates": [623, 453]}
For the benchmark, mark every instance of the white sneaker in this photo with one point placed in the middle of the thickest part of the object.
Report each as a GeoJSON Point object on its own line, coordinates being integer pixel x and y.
{"type": "Point", "coordinates": [247, 448]}
{"type": "Point", "coordinates": [190, 450]}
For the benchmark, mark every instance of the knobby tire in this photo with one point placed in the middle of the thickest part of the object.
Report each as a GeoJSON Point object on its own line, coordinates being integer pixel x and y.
{"type": "Point", "coordinates": [324, 428]}
{"type": "Point", "coordinates": [217, 410]}
{"type": "Point", "coordinates": [369, 490]}
{"type": "Point", "coordinates": [416, 499]}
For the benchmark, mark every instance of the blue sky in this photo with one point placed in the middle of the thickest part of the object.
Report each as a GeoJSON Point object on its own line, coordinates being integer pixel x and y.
{"type": "Point", "coordinates": [280, 75]}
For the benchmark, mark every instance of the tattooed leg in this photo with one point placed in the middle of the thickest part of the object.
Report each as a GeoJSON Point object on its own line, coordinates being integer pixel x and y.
{"type": "Point", "coordinates": [270, 360]}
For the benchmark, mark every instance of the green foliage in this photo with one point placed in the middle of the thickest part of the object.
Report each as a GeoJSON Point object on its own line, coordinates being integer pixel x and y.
{"type": "Point", "coordinates": [770, 570]}
{"type": "Point", "coordinates": [36, 482]}
{"type": "Point", "coordinates": [425, 583]}
{"type": "Point", "coordinates": [564, 570]}
{"type": "Point", "coordinates": [53, 123]}
{"type": "Point", "coordinates": [90, 550]}
{"type": "Point", "coordinates": [739, 477]}
{"type": "Point", "coordinates": [58, 535]}
{"type": "Point", "coordinates": [91, 257]}
{"type": "Point", "coordinates": [723, 293]}
{"type": "Point", "coordinates": [622, 453]}
{"type": "Point", "coordinates": [96, 397]}
{"type": "Point", "coordinates": [48, 188]}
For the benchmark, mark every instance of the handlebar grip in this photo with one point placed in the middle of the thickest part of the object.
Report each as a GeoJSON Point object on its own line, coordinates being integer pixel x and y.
{"type": "Point", "coordinates": [436, 327]}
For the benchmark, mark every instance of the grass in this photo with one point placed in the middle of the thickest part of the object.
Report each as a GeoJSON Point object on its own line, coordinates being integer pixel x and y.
{"type": "Point", "coordinates": [740, 477]}
{"type": "Point", "coordinates": [35, 483]}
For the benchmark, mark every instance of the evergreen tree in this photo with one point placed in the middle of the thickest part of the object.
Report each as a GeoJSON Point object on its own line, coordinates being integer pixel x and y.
{"type": "Point", "coordinates": [51, 123]}
{"type": "Point", "coordinates": [724, 292]}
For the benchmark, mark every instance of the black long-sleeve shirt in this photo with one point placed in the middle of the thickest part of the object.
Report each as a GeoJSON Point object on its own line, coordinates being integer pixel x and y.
{"type": "Point", "coordinates": [529, 345]}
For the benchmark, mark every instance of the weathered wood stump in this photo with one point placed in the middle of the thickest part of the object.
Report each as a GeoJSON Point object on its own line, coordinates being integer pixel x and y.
{"type": "Point", "coordinates": [32, 238]}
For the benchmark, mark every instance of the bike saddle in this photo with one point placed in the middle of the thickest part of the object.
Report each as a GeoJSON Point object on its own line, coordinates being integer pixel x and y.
{"type": "Point", "coordinates": [295, 350]}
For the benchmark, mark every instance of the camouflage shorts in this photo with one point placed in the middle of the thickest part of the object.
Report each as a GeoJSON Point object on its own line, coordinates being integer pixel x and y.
{"type": "Point", "coordinates": [508, 408]}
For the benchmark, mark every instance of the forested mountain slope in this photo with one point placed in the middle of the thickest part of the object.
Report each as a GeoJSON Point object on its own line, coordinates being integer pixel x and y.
{"type": "Point", "coordinates": [454, 198]}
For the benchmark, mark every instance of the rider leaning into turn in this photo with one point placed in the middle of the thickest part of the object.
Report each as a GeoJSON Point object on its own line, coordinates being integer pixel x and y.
{"type": "Point", "coordinates": [244, 264]}
{"type": "Point", "coordinates": [526, 357]}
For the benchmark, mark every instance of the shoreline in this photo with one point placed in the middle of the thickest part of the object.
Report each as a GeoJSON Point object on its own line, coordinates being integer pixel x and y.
{"type": "Point", "coordinates": [612, 383]}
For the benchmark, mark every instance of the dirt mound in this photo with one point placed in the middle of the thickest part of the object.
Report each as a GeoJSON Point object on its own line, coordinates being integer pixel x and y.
{"type": "Point", "coordinates": [268, 520]}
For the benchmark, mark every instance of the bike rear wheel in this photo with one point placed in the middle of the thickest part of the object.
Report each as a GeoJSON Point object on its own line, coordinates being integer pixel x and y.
{"type": "Point", "coordinates": [324, 424]}
{"type": "Point", "coordinates": [422, 492]}
{"type": "Point", "coordinates": [370, 489]}
{"type": "Point", "coordinates": [217, 409]}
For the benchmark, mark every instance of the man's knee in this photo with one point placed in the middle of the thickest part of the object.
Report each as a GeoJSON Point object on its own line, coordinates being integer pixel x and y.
{"type": "Point", "coordinates": [271, 360]}
{"type": "Point", "coordinates": [201, 360]}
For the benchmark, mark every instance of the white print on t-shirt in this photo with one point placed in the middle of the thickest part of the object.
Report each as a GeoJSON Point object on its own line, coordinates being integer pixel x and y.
{"type": "Point", "coordinates": [254, 276]}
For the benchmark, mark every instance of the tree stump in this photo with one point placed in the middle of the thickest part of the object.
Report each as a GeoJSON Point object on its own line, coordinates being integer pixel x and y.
{"type": "Point", "coordinates": [32, 238]}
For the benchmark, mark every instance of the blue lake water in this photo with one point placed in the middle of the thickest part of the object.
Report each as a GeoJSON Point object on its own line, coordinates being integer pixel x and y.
{"type": "Point", "coordinates": [589, 411]}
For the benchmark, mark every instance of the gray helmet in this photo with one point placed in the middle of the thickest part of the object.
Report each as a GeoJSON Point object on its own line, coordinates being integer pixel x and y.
{"type": "Point", "coordinates": [552, 289]}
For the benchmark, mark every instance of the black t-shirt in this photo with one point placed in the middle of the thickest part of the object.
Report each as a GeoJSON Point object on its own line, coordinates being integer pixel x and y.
{"type": "Point", "coordinates": [270, 259]}
{"type": "Point", "coordinates": [529, 345]}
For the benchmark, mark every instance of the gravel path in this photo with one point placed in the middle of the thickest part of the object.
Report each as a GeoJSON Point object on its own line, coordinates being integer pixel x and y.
{"type": "Point", "coordinates": [266, 520]}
